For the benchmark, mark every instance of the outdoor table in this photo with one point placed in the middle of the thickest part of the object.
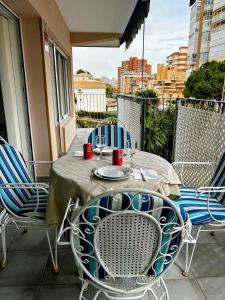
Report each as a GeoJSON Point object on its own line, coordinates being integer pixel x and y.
{"type": "Point", "coordinates": [71, 177]}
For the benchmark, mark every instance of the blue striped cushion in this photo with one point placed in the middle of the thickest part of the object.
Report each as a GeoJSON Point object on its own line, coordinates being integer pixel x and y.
{"type": "Point", "coordinates": [13, 169]}
{"type": "Point", "coordinates": [143, 203]}
{"type": "Point", "coordinates": [197, 211]}
{"type": "Point", "coordinates": [116, 136]}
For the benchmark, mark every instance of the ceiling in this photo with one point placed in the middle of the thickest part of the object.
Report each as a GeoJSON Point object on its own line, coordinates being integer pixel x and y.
{"type": "Point", "coordinates": [97, 15]}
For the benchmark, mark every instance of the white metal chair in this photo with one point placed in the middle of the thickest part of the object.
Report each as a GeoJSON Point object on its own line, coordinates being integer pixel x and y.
{"type": "Point", "coordinates": [124, 241]}
{"type": "Point", "coordinates": [205, 206]}
{"type": "Point", "coordinates": [24, 201]}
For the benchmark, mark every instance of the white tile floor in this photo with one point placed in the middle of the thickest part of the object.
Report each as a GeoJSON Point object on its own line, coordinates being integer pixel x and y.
{"type": "Point", "coordinates": [28, 275]}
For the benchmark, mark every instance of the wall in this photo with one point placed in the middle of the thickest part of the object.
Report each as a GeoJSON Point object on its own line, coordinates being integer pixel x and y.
{"type": "Point", "coordinates": [37, 16]}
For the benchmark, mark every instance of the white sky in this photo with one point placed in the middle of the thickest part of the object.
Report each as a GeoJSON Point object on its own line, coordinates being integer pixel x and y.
{"type": "Point", "coordinates": [167, 28]}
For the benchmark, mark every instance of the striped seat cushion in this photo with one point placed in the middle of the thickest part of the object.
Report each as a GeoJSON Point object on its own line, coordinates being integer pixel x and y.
{"type": "Point", "coordinates": [196, 208]}
{"type": "Point", "coordinates": [105, 206]}
{"type": "Point", "coordinates": [13, 169]}
{"type": "Point", "coordinates": [115, 136]}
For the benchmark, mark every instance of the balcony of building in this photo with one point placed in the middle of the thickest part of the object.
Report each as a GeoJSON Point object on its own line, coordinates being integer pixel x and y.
{"type": "Point", "coordinates": [42, 127]}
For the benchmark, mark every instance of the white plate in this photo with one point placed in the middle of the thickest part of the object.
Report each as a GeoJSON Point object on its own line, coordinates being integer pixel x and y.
{"type": "Point", "coordinates": [105, 151]}
{"type": "Point", "coordinates": [113, 172]}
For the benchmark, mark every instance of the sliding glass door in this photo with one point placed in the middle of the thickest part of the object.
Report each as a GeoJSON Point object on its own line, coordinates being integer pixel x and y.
{"type": "Point", "coordinates": [13, 90]}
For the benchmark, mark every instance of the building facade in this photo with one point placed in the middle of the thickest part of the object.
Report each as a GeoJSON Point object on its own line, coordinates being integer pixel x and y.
{"type": "Point", "coordinates": [207, 33]}
{"type": "Point", "coordinates": [217, 43]}
{"type": "Point", "coordinates": [130, 75]}
{"type": "Point", "coordinates": [90, 95]}
{"type": "Point", "coordinates": [170, 78]}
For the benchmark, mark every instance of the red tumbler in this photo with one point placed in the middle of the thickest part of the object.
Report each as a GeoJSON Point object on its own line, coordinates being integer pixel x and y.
{"type": "Point", "coordinates": [118, 157]}
{"type": "Point", "coordinates": [88, 151]}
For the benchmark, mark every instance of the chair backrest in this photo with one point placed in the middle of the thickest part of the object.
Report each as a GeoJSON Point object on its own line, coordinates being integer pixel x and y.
{"type": "Point", "coordinates": [116, 136]}
{"type": "Point", "coordinates": [126, 234]}
{"type": "Point", "coordinates": [218, 178]}
{"type": "Point", "coordinates": [13, 169]}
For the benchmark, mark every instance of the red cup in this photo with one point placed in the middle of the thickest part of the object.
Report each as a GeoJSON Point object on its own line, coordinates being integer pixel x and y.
{"type": "Point", "coordinates": [117, 157]}
{"type": "Point", "coordinates": [88, 151]}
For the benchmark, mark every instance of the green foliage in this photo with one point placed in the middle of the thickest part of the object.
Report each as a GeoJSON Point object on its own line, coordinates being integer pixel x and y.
{"type": "Point", "coordinates": [149, 93]}
{"type": "Point", "coordinates": [159, 129]}
{"type": "Point", "coordinates": [207, 82]}
{"type": "Point", "coordinates": [80, 71]}
{"type": "Point", "coordinates": [87, 119]}
{"type": "Point", "coordinates": [109, 90]}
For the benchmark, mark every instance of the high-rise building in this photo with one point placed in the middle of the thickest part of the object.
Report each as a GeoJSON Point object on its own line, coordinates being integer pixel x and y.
{"type": "Point", "coordinates": [207, 33]}
{"type": "Point", "coordinates": [199, 33]}
{"type": "Point", "coordinates": [169, 81]}
{"type": "Point", "coordinates": [130, 75]}
{"type": "Point", "coordinates": [217, 43]}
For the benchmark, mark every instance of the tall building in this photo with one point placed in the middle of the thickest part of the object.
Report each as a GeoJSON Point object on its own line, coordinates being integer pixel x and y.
{"type": "Point", "coordinates": [130, 75]}
{"type": "Point", "coordinates": [217, 43]}
{"type": "Point", "coordinates": [207, 33]}
{"type": "Point", "coordinates": [199, 33]}
{"type": "Point", "coordinates": [169, 81]}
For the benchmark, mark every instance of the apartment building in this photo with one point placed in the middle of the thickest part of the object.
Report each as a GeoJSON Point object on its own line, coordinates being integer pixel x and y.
{"type": "Point", "coordinates": [217, 43]}
{"type": "Point", "coordinates": [169, 81]}
{"type": "Point", "coordinates": [130, 75]}
{"type": "Point", "coordinates": [207, 33]}
{"type": "Point", "coordinates": [177, 63]}
{"type": "Point", "coordinates": [199, 33]}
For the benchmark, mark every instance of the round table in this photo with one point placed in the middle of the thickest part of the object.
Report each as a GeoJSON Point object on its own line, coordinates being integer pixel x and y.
{"type": "Point", "coordinates": [72, 177]}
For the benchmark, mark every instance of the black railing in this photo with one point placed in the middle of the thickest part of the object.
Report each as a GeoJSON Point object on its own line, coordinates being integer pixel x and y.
{"type": "Point", "coordinates": [93, 109]}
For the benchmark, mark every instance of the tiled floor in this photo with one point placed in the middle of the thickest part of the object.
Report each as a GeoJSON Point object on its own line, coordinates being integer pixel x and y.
{"type": "Point", "coordinates": [28, 274]}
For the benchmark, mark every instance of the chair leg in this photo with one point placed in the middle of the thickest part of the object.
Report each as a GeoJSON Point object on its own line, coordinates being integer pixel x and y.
{"type": "Point", "coordinates": [188, 263]}
{"type": "Point", "coordinates": [54, 257]}
{"type": "Point", "coordinates": [96, 295]}
{"type": "Point", "coordinates": [83, 288]}
{"type": "Point", "coordinates": [3, 262]}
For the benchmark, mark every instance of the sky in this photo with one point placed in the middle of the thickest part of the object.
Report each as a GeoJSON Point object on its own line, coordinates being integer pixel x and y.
{"type": "Point", "coordinates": [167, 28]}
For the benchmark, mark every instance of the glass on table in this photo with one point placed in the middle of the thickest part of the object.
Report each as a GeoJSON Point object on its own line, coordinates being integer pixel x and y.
{"type": "Point", "coordinates": [100, 144]}
{"type": "Point", "coordinates": [130, 150]}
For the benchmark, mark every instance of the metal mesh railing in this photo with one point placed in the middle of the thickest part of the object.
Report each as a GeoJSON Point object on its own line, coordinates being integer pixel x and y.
{"type": "Point", "coordinates": [200, 137]}
{"type": "Point", "coordinates": [130, 110]}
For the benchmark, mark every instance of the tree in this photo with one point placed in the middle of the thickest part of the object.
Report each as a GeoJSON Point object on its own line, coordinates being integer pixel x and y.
{"type": "Point", "coordinates": [150, 94]}
{"type": "Point", "coordinates": [207, 82]}
{"type": "Point", "coordinates": [109, 90]}
{"type": "Point", "coordinates": [80, 71]}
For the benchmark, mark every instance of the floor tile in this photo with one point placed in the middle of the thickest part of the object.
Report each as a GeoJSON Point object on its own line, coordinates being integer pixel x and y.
{"type": "Point", "coordinates": [67, 269]}
{"type": "Point", "coordinates": [208, 261]}
{"type": "Point", "coordinates": [18, 293]}
{"type": "Point", "coordinates": [34, 239]}
{"type": "Point", "coordinates": [59, 292]}
{"type": "Point", "coordinates": [24, 268]}
{"type": "Point", "coordinates": [184, 290]}
{"type": "Point", "coordinates": [11, 233]}
{"type": "Point", "coordinates": [214, 288]}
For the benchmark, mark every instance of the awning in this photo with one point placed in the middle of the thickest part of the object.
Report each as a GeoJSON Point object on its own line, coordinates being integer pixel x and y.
{"type": "Point", "coordinates": [192, 2]}
{"type": "Point", "coordinates": [137, 19]}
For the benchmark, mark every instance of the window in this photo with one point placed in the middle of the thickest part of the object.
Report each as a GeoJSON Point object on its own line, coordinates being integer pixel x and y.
{"type": "Point", "coordinates": [60, 83]}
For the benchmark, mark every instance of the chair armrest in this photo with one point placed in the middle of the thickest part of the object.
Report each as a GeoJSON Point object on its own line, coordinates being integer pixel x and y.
{"type": "Point", "coordinates": [34, 186]}
{"type": "Point", "coordinates": [209, 190]}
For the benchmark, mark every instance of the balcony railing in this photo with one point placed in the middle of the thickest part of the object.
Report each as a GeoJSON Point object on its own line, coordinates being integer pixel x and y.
{"type": "Point", "coordinates": [151, 122]}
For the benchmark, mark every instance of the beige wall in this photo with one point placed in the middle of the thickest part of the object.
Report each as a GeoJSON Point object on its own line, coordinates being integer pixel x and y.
{"type": "Point", "coordinates": [36, 16]}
